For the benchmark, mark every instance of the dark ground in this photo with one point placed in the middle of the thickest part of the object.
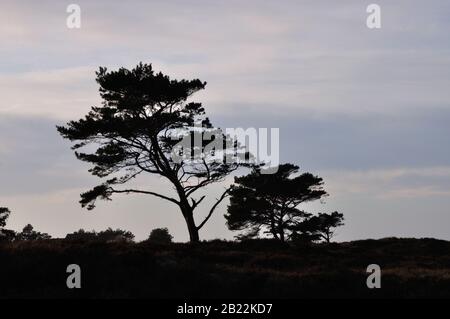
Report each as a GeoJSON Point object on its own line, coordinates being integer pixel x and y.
{"type": "Point", "coordinates": [255, 269]}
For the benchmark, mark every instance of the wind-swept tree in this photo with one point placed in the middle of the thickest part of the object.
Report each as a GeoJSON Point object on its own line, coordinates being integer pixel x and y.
{"type": "Point", "coordinates": [143, 118]}
{"type": "Point", "coordinates": [268, 203]}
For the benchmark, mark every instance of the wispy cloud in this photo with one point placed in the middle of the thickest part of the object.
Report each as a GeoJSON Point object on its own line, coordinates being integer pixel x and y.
{"type": "Point", "coordinates": [296, 55]}
{"type": "Point", "coordinates": [395, 183]}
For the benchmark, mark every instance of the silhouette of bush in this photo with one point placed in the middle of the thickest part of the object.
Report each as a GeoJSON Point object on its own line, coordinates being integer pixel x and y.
{"type": "Point", "coordinates": [117, 235]}
{"type": "Point", "coordinates": [81, 235]}
{"type": "Point", "coordinates": [28, 233]}
{"type": "Point", "coordinates": [160, 236]}
{"type": "Point", "coordinates": [108, 235]}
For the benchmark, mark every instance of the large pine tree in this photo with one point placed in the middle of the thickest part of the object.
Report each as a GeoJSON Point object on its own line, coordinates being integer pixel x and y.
{"type": "Point", "coordinates": [143, 117]}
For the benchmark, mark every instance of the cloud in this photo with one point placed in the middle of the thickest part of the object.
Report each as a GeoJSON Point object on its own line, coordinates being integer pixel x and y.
{"type": "Point", "coordinates": [395, 183]}
{"type": "Point", "coordinates": [62, 93]}
{"type": "Point", "coordinates": [297, 56]}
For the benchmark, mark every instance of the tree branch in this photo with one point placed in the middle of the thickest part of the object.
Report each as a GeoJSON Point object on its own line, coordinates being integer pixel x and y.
{"type": "Point", "coordinates": [221, 198]}
{"type": "Point", "coordinates": [173, 200]}
{"type": "Point", "coordinates": [196, 202]}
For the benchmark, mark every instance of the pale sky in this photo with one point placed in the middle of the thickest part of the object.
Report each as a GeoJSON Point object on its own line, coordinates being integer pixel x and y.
{"type": "Point", "coordinates": [367, 110]}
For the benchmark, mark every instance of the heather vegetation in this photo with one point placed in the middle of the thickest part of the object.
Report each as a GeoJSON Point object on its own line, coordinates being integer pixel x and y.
{"type": "Point", "coordinates": [250, 268]}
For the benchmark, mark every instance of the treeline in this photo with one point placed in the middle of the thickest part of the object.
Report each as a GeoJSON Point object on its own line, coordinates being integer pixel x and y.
{"type": "Point", "coordinates": [309, 229]}
{"type": "Point", "coordinates": [27, 233]}
{"type": "Point", "coordinates": [158, 235]}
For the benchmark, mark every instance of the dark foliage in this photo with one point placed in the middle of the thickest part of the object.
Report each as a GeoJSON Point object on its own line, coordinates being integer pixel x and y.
{"type": "Point", "coordinates": [28, 233]}
{"type": "Point", "coordinates": [268, 203]}
{"type": "Point", "coordinates": [411, 268]}
{"type": "Point", "coordinates": [108, 235]}
{"type": "Point", "coordinates": [6, 235]}
{"type": "Point", "coordinates": [326, 223]}
{"type": "Point", "coordinates": [160, 235]}
{"type": "Point", "coordinates": [4, 214]}
{"type": "Point", "coordinates": [82, 235]}
{"type": "Point", "coordinates": [138, 128]}
{"type": "Point", "coordinates": [315, 228]}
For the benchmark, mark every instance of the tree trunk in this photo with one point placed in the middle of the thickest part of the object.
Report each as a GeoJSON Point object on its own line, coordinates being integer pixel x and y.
{"type": "Point", "coordinates": [188, 214]}
{"type": "Point", "coordinates": [282, 235]}
{"type": "Point", "coordinates": [281, 228]}
{"type": "Point", "coordinates": [193, 231]}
